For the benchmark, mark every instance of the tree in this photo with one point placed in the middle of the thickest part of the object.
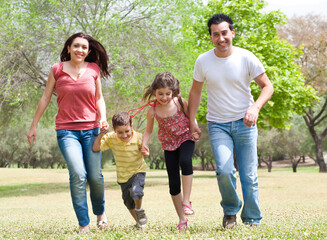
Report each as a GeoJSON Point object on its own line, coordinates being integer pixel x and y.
{"type": "Point", "coordinates": [290, 142]}
{"type": "Point", "coordinates": [309, 34]}
{"type": "Point", "coordinates": [268, 146]}
{"type": "Point", "coordinates": [140, 36]}
{"type": "Point", "coordinates": [256, 32]}
{"type": "Point", "coordinates": [203, 150]}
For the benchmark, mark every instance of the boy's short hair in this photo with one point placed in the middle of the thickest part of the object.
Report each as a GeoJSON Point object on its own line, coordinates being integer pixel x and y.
{"type": "Point", "coordinates": [121, 119]}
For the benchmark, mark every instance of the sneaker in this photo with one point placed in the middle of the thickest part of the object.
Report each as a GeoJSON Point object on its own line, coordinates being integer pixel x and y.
{"type": "Point", "coordinates": [252, 224]}
{"type": "Point", "coordinates": [255, 224]}
{"type": "Point", "coordinates": [139, 226]}
{"type": "Point", "coordinates": [188, 209]}
{"type": "Point", "coordinates": [141, 217]}
{"type": "Point", "coordinates": [229, 221]}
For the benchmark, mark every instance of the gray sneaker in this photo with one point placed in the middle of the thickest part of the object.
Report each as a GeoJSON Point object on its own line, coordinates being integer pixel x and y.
{"type": "Point", "coordinates": [141, 217]}
{"type": "Point", "coordinates": [229, 221]}
{"type": "Point", "coordinates": [139, 226]}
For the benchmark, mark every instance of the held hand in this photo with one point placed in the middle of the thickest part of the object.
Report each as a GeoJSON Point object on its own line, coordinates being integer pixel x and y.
{"type": "Point", "coordinates": [104, 127]}
{"type": "Point", "coordinates": [251, 116]}
{"type": "Point", "coordinates": [103, 122]}
{"type": "Point", "coordinates": [195, 131]}
{"type": "Point", "coordinates": [196, 136]}
{"type": "Point", "coordinates": [31, 136]}
{"type": "Point", "coordinates": [145, 151]}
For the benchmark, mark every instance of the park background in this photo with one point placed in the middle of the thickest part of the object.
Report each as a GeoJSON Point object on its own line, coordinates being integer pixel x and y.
{"type": "Point", "coordinates": [143, 38]}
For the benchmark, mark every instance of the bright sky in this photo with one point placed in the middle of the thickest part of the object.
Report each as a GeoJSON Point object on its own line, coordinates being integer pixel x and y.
{"type": "Point", "coordinates": [298, 7]}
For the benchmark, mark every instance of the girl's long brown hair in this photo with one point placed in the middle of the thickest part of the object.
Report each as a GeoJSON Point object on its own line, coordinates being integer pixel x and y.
{"type": "Point", "coordinates": [164, 80]}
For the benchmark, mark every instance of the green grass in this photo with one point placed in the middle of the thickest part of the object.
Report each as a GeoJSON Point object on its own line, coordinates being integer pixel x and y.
{"type": "Point", "coordinates": [36, 204]}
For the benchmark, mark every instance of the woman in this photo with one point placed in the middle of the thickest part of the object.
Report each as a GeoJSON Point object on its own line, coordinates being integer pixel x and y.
{"type": "Point", "coordinates": [76, 80]}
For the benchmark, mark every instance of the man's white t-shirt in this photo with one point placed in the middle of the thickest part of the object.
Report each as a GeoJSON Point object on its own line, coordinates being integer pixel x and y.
{"type": "Point", "coordinates": [228, 83]}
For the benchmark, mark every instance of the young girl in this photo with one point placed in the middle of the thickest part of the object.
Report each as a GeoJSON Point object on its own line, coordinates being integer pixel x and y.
{"type": "Point", "coordinates": [170, 110]}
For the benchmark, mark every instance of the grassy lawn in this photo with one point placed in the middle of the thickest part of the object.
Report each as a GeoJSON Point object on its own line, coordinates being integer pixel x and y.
{"type": "Point", "coordinates": [36, 204]}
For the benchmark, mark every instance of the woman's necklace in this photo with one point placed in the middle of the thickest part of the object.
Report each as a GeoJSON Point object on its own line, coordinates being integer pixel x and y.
{"type": "Point", "coordinates": [78, 74]}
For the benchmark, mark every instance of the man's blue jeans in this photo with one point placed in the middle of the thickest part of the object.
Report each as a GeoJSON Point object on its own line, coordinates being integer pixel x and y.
{"type": "Point", "coordinates": [83, 165]}
{"type": "Point", "coordinates": [224, 138]}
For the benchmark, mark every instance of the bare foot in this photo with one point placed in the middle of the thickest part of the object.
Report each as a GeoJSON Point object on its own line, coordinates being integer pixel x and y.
{"type": "Point", "coordinates": [84, 229]}
{"type": "Point", "coordinates": [102, 221]}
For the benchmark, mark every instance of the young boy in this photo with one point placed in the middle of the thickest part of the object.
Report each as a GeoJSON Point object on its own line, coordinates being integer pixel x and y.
{"type": "Point", "coordinates": [130, 166]}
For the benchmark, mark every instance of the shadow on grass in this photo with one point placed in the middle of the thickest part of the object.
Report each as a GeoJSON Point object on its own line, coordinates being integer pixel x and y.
{"type": "Point", "coordinates": [32, 189]}
{"type": "Point", "coordinates": [35, 189]}
{"type": "Point", "coordinates": [40, 188]}
{"type": "Point", "coordinates": [205, 176]}
{"type": "Point", "coordinates": [209, 175]}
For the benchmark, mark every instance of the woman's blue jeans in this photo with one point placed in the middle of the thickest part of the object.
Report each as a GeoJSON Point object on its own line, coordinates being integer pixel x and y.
{"type": "Point", "coordinates": [224, 138]}
{"type": "Point", "coordinates": [83, 165]}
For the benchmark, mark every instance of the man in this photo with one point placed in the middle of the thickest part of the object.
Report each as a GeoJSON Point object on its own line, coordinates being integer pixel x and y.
{"type": "Point", "coordinates": [232, 115]}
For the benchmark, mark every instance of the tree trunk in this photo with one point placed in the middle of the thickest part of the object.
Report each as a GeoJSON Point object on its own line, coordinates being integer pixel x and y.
{"type": "Point", "coordinates": [151, 162]}
{"type": "Point", "coordinates": [268, 163]}
{"type": "Point", "coordinates": [319, 154]}
{"type": "Point", "coordinates": [259, 162]}
{"type": "Point", "coordinates": [157, 163]}
{"type": "Point", "coordinates": [295, 162]}
{"type": "Point", "coordinates": [163, 165]}
{"type": "Point", "coordinates": [203, 164]}
{"type": "Point", "coordinates": [320, 157]}
{"type": "Point", "coordinates": [294, 166]}
{"type": "Point", "coordinates": [212, 165]}
{"type": "Point", "coordinates": [311, 122]}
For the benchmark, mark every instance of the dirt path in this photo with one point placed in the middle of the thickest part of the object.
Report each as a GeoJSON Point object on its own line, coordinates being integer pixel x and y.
{"type": "Point", "coordinates": [287, 163]}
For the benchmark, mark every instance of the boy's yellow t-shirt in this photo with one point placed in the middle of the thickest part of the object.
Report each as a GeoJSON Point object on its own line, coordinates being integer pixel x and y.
{"type": "Point", "coordinates": [128, 157]}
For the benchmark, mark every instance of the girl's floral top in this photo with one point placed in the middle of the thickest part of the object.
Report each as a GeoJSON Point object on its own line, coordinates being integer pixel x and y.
{"type": "Point", "coordinates": [173, 130]}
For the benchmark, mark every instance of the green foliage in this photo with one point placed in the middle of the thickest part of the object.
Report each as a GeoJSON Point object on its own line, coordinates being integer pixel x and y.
{"type": "Point", "coordinates": [16, 152]}
{"type": "Point", "coordinates": [255, 31]}
{"type": "Point", "coordinates": [140, 36]}
{"type": "Point", "coordinates": [203, 150]}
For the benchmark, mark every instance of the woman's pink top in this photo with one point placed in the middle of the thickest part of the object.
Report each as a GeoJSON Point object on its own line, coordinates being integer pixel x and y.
{"type": "Point", "coordinates": [173, 130]}
{"type": "Point", "coordinates": [76, 98]}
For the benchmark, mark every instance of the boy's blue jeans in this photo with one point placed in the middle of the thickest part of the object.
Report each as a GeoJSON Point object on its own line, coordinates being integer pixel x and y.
{"type": "Point", "coordinates": [83, 165]}
{"type": "Point", "coordinates": [224, 138]}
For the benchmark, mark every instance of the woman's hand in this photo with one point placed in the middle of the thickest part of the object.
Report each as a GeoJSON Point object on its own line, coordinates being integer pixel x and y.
{"type": "Point", "coordinates": [145, 151]}
{"type": "Point", "coordinates": [104, 127]}
{"type": "Point", "coordinates": [31, 135]}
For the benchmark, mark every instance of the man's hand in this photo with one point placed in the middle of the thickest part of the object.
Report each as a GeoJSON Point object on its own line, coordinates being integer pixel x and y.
{"type": "Point", "coordinates": [251, 116]}
{"type": "Point", "coordinates": [195, 131]}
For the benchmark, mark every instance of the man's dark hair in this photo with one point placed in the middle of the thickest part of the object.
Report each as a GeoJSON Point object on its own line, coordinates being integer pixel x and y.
{"type": "Point", "coordinates": [219, 18]}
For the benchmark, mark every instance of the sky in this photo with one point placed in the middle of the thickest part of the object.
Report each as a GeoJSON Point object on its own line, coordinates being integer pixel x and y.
{"type": "Point", "coordinates": [298, 7]}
